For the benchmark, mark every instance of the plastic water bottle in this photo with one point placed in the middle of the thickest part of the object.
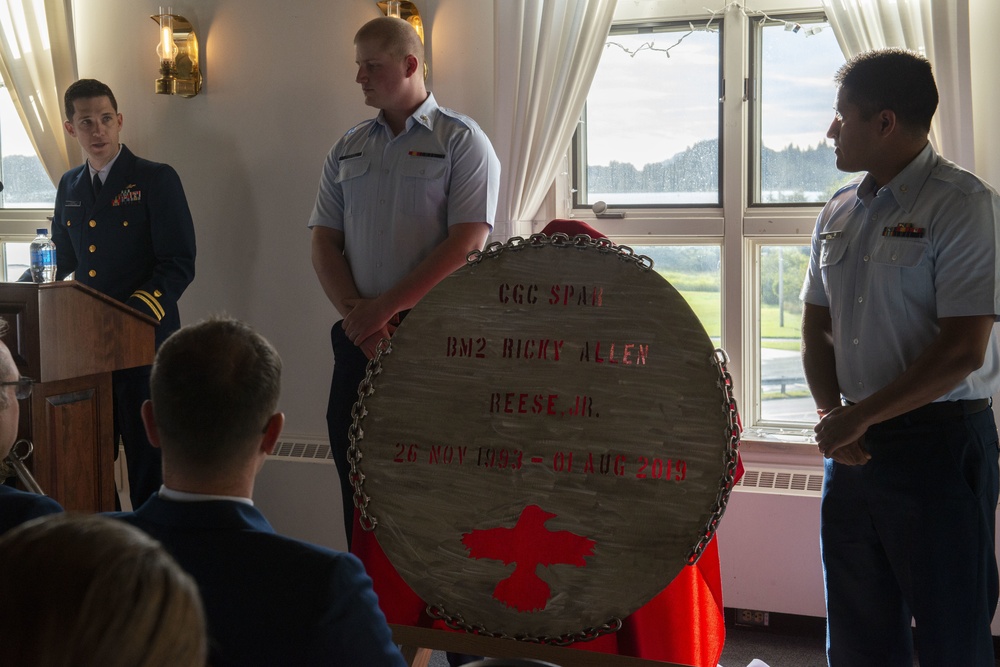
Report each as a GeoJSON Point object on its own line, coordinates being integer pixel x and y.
{"type": "Point", "coordinates": [43, 258]}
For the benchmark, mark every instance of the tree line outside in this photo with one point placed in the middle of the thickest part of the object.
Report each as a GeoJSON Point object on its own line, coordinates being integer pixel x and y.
{"type": "Point", "coordinates": [695, 272]}
{"type": "Point", "coordinates": [792, 174]}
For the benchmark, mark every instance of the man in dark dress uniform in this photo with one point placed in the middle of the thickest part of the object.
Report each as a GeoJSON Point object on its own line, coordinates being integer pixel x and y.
{"type": "Point", "coordinates": [122, 226]}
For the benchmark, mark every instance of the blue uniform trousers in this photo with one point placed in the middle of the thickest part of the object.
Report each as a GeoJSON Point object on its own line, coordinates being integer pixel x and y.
{"type": "Point", "coordinates": [131, 388]}
{"type": "Point", "coordinates": [349, 364]}
{"type": "Point", "coordinates": [911, 535]}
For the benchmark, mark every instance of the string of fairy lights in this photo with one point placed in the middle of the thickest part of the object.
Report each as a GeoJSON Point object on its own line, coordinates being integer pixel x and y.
{"type": "Point", "coordinates": [710, 26]}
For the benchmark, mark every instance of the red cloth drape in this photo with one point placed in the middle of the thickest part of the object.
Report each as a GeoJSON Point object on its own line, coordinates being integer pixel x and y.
{"type": "Point", "coordinates": [683, 624]}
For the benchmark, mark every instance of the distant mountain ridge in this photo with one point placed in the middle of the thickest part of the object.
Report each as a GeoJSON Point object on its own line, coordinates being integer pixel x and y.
{"type": "Point", "coordinates": [695, 169]}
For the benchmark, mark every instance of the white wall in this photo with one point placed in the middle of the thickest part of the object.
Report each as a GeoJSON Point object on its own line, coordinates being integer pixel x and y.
{"type": "Point", "coordinates": [279, 91]}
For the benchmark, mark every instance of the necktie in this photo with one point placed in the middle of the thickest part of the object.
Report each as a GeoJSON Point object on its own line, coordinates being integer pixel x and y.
{"type": "Point", "coordinates": [97, 184]}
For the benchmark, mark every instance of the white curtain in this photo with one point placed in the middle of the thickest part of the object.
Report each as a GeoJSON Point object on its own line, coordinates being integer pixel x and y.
{"type": "Point", "coordinates": [546, 54]}
{"type": "Point", "coordinates": [38, 63]}
{"type": "Point", "coordinates": [939, 29]}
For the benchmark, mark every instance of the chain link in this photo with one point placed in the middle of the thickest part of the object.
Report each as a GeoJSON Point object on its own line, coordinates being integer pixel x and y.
{"type": "Point", "coordinates": [457, 622]}
{"type": "Point", "coordinates": [355, 433]}
{"type": "Point", "coordinates": [733, 430]}
{"type": "Point", "coordinates": [560, 240]}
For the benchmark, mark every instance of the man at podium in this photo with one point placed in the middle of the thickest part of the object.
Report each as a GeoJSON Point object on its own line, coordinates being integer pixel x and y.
{"type": "Point", "coordinates": [122, 226]}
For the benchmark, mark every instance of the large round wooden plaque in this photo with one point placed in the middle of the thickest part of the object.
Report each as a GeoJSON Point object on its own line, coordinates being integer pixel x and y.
{"type": "Point", "coordinates": [546, 440]}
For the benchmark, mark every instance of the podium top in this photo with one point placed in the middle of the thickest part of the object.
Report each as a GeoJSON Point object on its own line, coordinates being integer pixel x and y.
{"type": "Point", "coordinates": [65, 329]}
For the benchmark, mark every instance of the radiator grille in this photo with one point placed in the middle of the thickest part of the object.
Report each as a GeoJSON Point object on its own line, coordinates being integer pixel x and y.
{"type": "Point", "coordinates": [784, 481]}
{"type": "Point", "coordinates": [303, 450]}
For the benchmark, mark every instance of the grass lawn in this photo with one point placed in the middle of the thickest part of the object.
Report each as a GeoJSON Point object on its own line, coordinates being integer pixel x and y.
{"type": "Point", "coordinates": [707, 307]}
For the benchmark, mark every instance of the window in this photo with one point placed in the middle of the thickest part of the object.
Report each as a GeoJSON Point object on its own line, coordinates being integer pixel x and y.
{"type": "Point", "coordinates": [28, 194]}
{"type": "Point", "coordinates": [26, 185]}
{"type": "Point", "coordinates": [718, 154]}
{"type": "Point", "coordinates": [784, 396]}
{"type": "Point", "coordinates": [15, 259]}
{"type": "Point", "coordinates": [653, 122]}
{"type": "Point", "coordinates": [695, 272]}
{"type": "Point", "coordinates": [791, 159]}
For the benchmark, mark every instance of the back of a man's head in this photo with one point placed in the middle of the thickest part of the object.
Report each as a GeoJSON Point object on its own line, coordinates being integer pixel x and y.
{"type": "Point", "coordinates": [214, 387]}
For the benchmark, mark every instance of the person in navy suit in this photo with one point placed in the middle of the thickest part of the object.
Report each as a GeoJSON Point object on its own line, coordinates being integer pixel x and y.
{"type": "Point", "coordinates": [16, 506]}
{"type": "Point", "coordinates": [122, 226]}
{"type": "Point", "coordinates": [269, 599]}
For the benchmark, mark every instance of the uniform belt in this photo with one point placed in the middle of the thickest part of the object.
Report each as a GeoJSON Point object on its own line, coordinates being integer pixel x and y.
{"type": "Point", "coordinates": [936, 412]}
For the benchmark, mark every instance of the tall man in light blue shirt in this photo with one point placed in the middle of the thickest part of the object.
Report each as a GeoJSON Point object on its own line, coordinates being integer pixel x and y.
{"type": "Point", "coordinates": [901, 354]}
{"type": "Point", "coordinates": [403, 199]}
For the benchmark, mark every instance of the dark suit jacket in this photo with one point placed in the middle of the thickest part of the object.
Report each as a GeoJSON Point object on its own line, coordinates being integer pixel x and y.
{"type": "Point", "coordinates": [269, 599]}
{"type": "Point", "coordinates": [16, 507]}
{"type": "Point", "coordinates": [135, 243]}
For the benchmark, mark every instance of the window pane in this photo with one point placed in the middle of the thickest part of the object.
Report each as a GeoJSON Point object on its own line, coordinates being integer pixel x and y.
{"type": "Point", "coordinates": [16, 259]}
{"type": "Point", "coordinates": [25, 183]}
{"type": "Point", "coordinates": [651, 127]}
{"type": "Point", "coordinates": [695, 272]}
{"type": "Point", "coordinates": [795, 108]}
{"type": "Point", "coordinates": [784, 396]}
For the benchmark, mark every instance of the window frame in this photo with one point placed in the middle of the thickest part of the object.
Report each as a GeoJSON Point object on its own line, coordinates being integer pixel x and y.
{"type": "Point", "coordinates": [755, 141]}
{"type": "Point", "coordinates": [578, 159]}
{"type": "Point", "coordinates": [737, 225]}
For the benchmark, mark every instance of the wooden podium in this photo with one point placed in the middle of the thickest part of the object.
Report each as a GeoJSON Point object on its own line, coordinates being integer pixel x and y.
{"type": "Point", "coordinates": [69, 338]}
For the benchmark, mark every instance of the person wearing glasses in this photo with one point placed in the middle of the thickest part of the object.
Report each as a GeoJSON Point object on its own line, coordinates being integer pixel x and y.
{"type": "Point", "coordinates": [16, 506]}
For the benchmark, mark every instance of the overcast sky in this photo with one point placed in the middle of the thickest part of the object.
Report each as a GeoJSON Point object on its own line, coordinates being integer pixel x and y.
{"type": "Point", "coordinates": [651, 106]}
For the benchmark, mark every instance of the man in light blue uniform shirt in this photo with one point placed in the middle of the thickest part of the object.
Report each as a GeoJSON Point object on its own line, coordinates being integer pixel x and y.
{"type": "Point", "coordinates": [901, 354]}
{"type": "Point", "coordinates": [403, 199]}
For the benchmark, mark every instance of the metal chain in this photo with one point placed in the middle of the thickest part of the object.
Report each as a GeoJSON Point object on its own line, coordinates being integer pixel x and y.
{"type": "Point", "coordinates": [457, 622]}
{"type": "Point", "coordinates": [560, 240]}
{"type": "Point", "coordinates": [355, 433]}
{"type": "Point", "coordinates": [733, 430]}
{"type": "Point", "coordinates": [374, 368]}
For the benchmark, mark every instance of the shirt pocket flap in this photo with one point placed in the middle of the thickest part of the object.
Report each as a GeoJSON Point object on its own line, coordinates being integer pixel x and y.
{"type": "Point", "coordinates": [423, 168]}
{"type": "Point", "coordinates": [899, 252]}
{"type": "Point", "coordinates": [352, 169]}
{"type": "Point", "coordinates": [832, 251]}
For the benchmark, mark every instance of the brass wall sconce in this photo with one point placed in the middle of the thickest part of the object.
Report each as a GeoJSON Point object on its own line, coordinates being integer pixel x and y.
{"type": "Point", "coordinates": [178, 52]}
{"type": "Point", "coordinates": [406, 10]}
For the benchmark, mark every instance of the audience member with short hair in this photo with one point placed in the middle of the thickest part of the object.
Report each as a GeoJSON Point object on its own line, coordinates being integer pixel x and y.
{"type": "Point", "coordinates": [86, 591]}
{"type": "Point", "coordinates": [16, 506]}
{"type": "Point", "coordinates": [269, 599]}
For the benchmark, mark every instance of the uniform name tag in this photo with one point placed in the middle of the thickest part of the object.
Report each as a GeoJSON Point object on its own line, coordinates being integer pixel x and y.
{"type": "Point", "coordinates": [73, 203]}
{"type": "Point", "coordinates": [829, 236]}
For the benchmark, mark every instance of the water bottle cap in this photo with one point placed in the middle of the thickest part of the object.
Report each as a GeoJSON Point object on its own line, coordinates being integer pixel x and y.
{"type": "Point", "coordinates": [42, 231]}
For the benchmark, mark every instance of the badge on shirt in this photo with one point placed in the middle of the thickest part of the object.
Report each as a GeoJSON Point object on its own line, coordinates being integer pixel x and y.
{"type": "Point", "coordinates": [73, 203]}
{"type": "Point", "coordinates": [439, 156]}
{"type": "Point", "coordinates": [348, 157]}
{"type": "Point", "coordinates": [829, 236]}
{"type": "Point", "coordinates": [904, 230]}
